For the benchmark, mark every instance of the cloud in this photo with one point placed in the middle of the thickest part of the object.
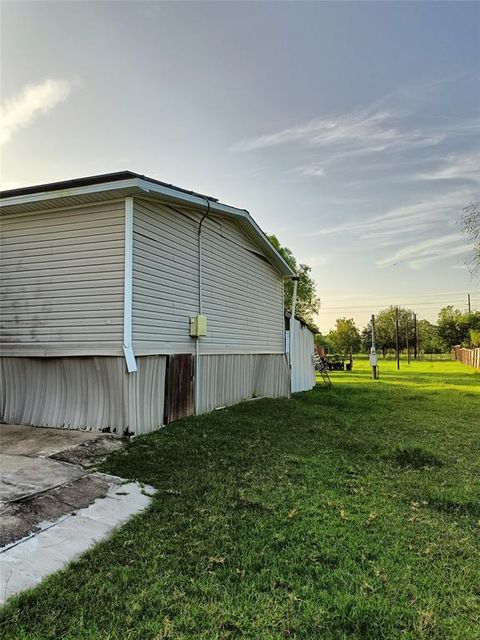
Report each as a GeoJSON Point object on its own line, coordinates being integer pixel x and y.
{"type": "Point", "coordinates": [25, 107]}
{"type": "Point", "coordinates": [422, 215]}
{"type": "Point", "coordinates": [421, 253]}
{"type": "Point", "coordinates": [455, 167]}
{"type": "Point", "coordinates": [374, 129]}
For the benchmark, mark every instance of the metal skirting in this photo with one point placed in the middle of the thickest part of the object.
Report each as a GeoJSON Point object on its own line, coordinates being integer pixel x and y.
{"type": "Point", "coordinates": [97, 393]}
{"type": "Point", "coordinates": [93, 393]}
{"type": "Point", "coordinates": [230, 378]}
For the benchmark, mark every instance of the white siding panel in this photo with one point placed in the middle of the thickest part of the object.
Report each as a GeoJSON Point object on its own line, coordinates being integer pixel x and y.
{"type": "Point", "coordinates": [164, 278]}
{"type": "Point", "coordinates": [61, 287]}
{"type": "Point", "coordinates": [303, 366]}
{"type": "Point", "coordinates": [242, 292]}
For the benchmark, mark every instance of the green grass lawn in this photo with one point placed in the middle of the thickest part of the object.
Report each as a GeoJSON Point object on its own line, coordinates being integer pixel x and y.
{"type": "Point", "coordinates": [348, 513]}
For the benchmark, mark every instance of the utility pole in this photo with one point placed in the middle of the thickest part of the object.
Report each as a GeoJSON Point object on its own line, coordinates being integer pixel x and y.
{"type": "Point", "coordinates": [397, 338]}
{"type": "Point", "coordinates": [408, 348]}
{"type": "Point", "coordinates": [415, 336]}
{"type": "Point", "coordinates": [373, 355]}
{"type": "Point", "coordinates": [469, 305]}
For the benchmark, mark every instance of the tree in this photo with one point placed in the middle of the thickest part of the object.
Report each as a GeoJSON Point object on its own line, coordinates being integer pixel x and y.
{"type": "Point", "coordinates": [428, 339]}
{"type": "Point", "coordinates": [323, 341]}
{"type": "Point", "coordinates": [308, 302]}
{"type": "Point", "coordinates": [453, 327]}
{"type": "Point", "coordinates": [470, 222]}
{"type": "Point", "coordinates": [345, 338]}
{"type": "Point", "coordinates": [385, 328]}
{"type": "Point", "coordinates": [366, 338]}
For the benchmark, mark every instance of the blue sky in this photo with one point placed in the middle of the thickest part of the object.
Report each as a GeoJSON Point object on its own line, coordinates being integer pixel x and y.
{"type": "Point", "coordinates": [350, 130]}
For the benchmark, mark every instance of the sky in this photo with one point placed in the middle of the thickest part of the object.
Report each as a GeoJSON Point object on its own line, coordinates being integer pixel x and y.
{"type": "Point", "coordinates": [350, 130]}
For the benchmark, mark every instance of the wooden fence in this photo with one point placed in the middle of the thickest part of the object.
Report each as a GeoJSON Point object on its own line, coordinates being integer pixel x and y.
{"type": "Point", "coordinates": [467, 356]}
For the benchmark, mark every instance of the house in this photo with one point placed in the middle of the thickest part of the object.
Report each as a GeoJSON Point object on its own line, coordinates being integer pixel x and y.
{"type": "Point", "coordinates": [127, 303]}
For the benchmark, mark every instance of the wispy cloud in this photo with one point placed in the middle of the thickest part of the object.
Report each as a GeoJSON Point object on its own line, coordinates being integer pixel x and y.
{"type": "Point", "coordinates": [418, 254]}
{"type": "Point", "coordinates": [421, 215]}
{"type": "Point", "coordinates": [25, 107]}
{"type": "Point", "coordinates": [455, 167]}
{"type": "Point", "coordinates": [373, 128]}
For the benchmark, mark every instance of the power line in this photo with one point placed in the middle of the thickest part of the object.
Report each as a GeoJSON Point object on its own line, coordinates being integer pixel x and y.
{"type": "Point", "coordinates": [406, 304]}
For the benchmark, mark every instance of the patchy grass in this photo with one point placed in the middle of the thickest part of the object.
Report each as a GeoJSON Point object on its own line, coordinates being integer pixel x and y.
{"type": "Point", "coordinates": [327, 516]}
{"type": "Point", "coordinates": [416, 458]}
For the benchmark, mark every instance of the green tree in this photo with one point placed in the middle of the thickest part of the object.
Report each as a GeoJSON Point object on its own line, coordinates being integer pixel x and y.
{"type": "Point", "coordinates": [453, 327]}
{"type": "Point", "coordinates": [345, 338]}
{"type": "Point", "coordinates": [428, 339]}
{"type": "Point", "coordinates": [385, 328]}
{"type": "Point", "coordinates": [323, 341]}
{"type": "Point", "coordinates": [308, 303]}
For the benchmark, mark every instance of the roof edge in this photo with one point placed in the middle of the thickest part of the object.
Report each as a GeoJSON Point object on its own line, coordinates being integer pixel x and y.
{"type": "Point", "coordinates": [138, 182]}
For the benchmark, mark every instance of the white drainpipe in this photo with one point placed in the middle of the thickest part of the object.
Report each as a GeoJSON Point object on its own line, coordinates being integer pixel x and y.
{"type": "Point", "coordinates": [200, 308]}
{"type": "Point", "coordinates": [292, 326]}
{"type": "Point", "coordinates": [128, 287]}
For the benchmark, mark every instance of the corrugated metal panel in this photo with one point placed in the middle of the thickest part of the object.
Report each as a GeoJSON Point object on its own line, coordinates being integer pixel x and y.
{"type": "Point", "coordinates": [61, 287]}
{"type": "Point", "coordinates": [242, 292]}
{"type": "Point", "coordinates": [93, 393]}
{"type": "Point", "coordinates": [303, 367]}
{"type": "Point", "coordinates": [145, 391]}
{"type": "Point", "coordinates": [230, 378]}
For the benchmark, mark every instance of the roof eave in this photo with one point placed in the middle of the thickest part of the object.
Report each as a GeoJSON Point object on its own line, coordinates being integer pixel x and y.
{"type": "Point", "coordinates": [137, 185]}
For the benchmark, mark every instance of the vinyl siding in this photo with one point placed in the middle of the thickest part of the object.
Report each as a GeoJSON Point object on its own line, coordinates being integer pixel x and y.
{"type": "Point", "coordinates": [61, 287]}
{"type": "Point", "coordinates": [242, 292]}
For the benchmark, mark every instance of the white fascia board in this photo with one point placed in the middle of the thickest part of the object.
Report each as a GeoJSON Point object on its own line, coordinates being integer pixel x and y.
{"type": "Point", "coordinates": [65, 193]}
{"type": "Point", "coordinates": [128, 288]}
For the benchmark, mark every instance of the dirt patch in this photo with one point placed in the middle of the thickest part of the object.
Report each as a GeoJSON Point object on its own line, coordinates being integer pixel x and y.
{"type": "Point", "coordinates": [21, 518]}
{"type": "Point", "coordinates": [89, 453]}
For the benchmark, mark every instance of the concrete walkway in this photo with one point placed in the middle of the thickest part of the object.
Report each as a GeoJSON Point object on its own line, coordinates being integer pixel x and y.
{"type": "Point", "coordinates": [52, 509]}
{"type": "Point", "coordinates": [26, 563]}
{"type": "Point", "coordinates": [22, 440]}
{"type": "Point", "coordinates": [22, 477]}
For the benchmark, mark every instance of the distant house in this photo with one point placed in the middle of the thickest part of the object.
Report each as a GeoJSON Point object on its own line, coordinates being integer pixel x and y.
{"type": "Point", "coordinates": [127, 303]}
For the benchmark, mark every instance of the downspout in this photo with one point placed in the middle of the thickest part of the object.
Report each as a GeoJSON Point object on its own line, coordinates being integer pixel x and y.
{"type": "Point", "coordinates": [292, 326]}
{"type": "Point", "coordinates": [128, 287]}
{"type": "Point", "coordinates": [200, 307]}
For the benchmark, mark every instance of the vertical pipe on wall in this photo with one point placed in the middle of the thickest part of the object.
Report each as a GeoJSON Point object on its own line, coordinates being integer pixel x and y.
{"type": "Point", "coordinates": [128, 287]}
{"type": "Point", "coordinates": [200, 306]}
{"type": "Point", "coordinates": [292, 326]}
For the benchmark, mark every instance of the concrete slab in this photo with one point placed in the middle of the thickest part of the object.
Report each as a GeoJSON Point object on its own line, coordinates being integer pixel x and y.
{"type": "Point", "coordinates": [22, 476]}
{"type": "Point", "coordinates": [39, 441]}
{"type": "Point", "coordinates": [21, 518]}
{"type": "Point", "coordinates": [26, 563]}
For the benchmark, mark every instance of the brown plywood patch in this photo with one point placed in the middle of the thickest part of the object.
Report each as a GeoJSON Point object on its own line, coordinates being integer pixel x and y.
{"type": "Point", "coordinates": [179, 387]}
